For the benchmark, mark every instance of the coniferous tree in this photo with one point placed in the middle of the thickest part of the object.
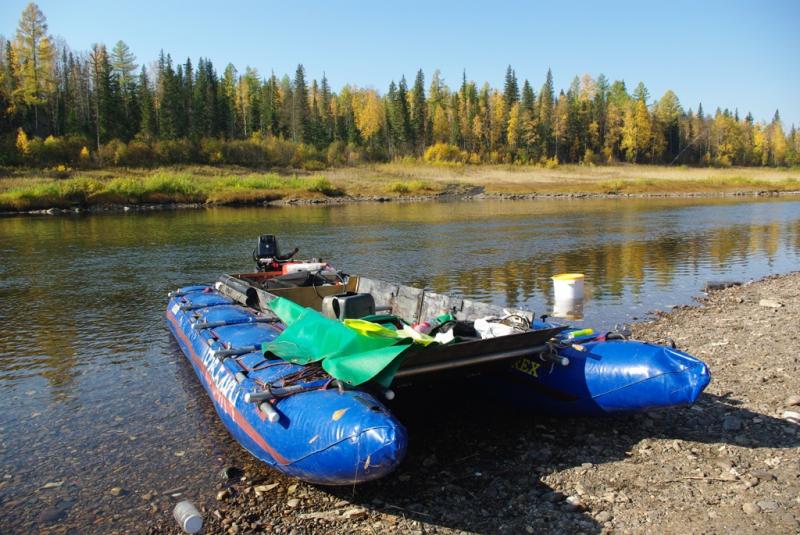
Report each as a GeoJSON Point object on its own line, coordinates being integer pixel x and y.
{"type": "Point", "coordinates": [326, 116]}
{"type": "Point", "coordinates": [528, 97]}
{"type": "Point", "coordinates": [546, 103]}
{"type": "Point", "coordinates": [106, 92]}
{"type": "Point", "coordinates": [299, 122]}
{"type": "Point", "coordinates": [419, 113]}
{"type": "Point", "coordinates": [399, 121]}
{"type": "Point", "coordinates": [510, 88]}
{"type": "Point", "coordinates": [271, 106]}
{"type": "Point", "coordinates": [35, 55]}
{"type": "Point", "coordinates": [148, 126]}
{"type": "Point", "coordinates": [169, 125]}
{"type": "Point", "coordinates": [10, 83]}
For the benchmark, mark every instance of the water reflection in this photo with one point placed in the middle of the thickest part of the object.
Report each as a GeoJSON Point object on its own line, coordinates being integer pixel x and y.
{"type": "Point", "coordinates": [88, 371]}
{"type": "Point", "coordinates": [569, 309]}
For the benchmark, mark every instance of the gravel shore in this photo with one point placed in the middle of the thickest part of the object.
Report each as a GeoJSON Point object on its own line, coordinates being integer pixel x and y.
{"type": "Point", "coordinates": [729, 464]}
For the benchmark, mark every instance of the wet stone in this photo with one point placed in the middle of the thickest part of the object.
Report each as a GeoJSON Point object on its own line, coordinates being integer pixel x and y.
{"type": "Point", "coordinates": [50, 515]}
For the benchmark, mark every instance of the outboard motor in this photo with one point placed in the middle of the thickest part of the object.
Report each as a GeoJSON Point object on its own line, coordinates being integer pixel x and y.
{"type": "Point", "coordinates": [266, 254]}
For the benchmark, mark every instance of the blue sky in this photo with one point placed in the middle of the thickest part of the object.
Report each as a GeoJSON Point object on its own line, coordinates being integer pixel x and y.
{"type": "Point", "coordinates": [723, 53]}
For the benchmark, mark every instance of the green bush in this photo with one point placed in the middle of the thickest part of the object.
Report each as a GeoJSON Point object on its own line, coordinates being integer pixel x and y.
{"type": "Point", "coordinates": [211, 150]}
{"type": "Point", "coordinates": [280, 152]}
{"type": "Point", "coordinates": [59, 150]}
{"type": "Point", "coordinates": [9, 155]}
{"type": "Point", "coordinates": [336, 154]}
{"type": "Point", "coordinates": [322, 185]}
{"type": "Point", "coordinates": [304, 153]}
{"type": "Point", "coordinates": [247, 153]}
{"type": "Point", "coordinates": [111, 152]}
{"type": "Point", "coordinates": [313, 165]}
{"type": "Point", "coordinates": [173, 151]}
{"type": "Point", "coordinates": [136, 154]}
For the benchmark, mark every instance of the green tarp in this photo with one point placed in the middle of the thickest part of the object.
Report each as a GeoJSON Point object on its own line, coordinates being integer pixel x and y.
{"type": "Point", "coordinates": [346, 354]}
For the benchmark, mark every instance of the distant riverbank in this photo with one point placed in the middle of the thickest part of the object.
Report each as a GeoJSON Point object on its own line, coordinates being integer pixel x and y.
{"type": "Point", "coordinates": [53, 190]}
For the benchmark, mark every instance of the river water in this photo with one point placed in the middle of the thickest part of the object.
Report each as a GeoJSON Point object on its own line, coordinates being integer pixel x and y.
{"type": "Point", "coordinates": [97, 396]}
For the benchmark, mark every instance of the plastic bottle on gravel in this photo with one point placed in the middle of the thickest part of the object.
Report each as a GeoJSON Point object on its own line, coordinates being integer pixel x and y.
{"type": "Point", "coordinates": [188, 517]}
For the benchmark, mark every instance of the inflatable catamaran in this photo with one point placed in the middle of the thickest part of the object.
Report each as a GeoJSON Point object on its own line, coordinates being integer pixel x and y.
{"type": "Point", "coordinates": [302, 363]}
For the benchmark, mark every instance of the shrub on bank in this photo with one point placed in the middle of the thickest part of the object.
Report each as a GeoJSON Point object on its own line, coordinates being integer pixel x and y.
{"type": "Point", "coordinates": [322, 185]}
{"type": "Point", "coordinates": [444, 152]}
{"type": "Point", "coordinates": [211, 150]}
{"type": "Point", "coordinates": [171, 152]}
{"type": "Point", "coordinates": [280, 152]}
{"type": "Point", "coordinates": [248, 153]}
{"type": "Point", "coordinates": [136, 154]}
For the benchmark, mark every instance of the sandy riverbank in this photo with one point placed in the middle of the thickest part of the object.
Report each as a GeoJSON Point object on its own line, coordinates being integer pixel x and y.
{"type": "Point", "coordinates": [730, 464]}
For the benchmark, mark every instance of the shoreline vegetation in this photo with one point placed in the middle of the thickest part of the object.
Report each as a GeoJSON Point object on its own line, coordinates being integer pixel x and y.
{"type": "Point", "coordinates": [61, 188]}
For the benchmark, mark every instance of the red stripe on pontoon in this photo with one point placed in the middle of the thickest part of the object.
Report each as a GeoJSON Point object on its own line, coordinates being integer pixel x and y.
{"type": "Point", "coordinates": [224, 402]}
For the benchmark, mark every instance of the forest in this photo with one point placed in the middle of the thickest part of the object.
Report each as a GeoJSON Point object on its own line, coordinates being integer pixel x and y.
{"type": "Point", "coordinates": [100, 107]}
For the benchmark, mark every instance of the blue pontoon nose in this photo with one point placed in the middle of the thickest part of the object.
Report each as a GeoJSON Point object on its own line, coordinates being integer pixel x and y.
{"type": "Point", "coordinates": [371, 454]}
{"type": "Point", "coordinates": [654, 377]}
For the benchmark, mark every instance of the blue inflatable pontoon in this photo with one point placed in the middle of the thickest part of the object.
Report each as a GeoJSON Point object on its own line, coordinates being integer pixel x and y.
{"type": "Point", "coordinates": [310, 423]}
{"type": "Point", "coordinates": [307, 428]}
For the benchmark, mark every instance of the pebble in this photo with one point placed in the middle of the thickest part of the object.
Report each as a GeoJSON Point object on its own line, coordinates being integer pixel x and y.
{"type": "Point", "coordinates": [50, 515]}
{"type": "Point", "coordinates": [724, 464]}
{"type": "Point", "coordinates": [603, 517]}
{"type": "Point", "coordinates": [763, 475]}
{"type": "Point", "coordinates": [751, 508]}
{"type": "Point", "coordinates": [768, 506]}
{"type": "Point", "coordinates": [116, 491]}
{"type": "Point", "coordinates": [573, 503]}
{"type": "Point", "coordinates": [52, 485]}
{"type": "Point", "coordinates": [791, 416]}
{"type": "Point", "coordinates": [223, 494]}
{"type": "Point", "coordinates": [731, 423]}
{"type": "Point", "coordinates": [793, 400]}
{"type": "Point", "coordinates": [770, 303]}
{"type": "Point", "coordinates": [265, 488]}
{"type": "Point", "coordinates": [294, 502]}
{"type": "Point", "coordinates": [355, 513]}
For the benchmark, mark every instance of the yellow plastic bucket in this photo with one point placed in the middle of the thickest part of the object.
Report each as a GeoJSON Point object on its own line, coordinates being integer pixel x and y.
{"type": "Point", "coordinates": [568, 286]}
